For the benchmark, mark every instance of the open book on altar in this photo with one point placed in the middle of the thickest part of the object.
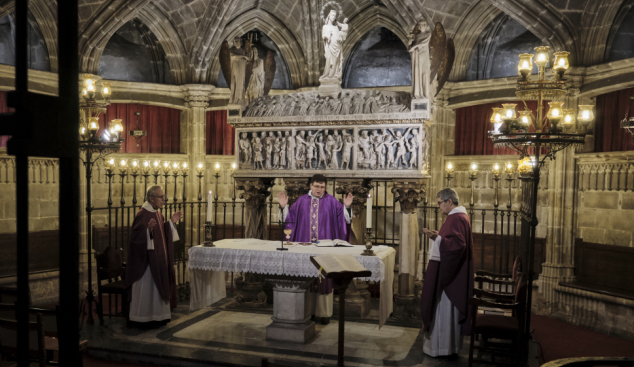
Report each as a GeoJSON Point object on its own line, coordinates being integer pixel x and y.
{"type": "Point", "coordinates": [338, 264]}
{"type": "Point", "coordinates": [332, 243]}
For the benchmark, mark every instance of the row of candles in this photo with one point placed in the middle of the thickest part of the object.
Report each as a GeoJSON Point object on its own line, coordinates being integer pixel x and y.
{"type": "Point", "coordinates": [524, 167]}
{"type": "Point", "coordinates": [157, 166]}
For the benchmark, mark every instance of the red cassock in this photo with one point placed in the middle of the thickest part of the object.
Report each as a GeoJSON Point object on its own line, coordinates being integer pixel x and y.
{"type": "Point", "coordinates": [453, 274]}
{"type": "Point", "coordinates": [160, 260]}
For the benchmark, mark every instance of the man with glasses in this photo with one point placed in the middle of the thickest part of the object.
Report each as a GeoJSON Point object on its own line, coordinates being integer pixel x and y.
{"type": "Point", "coordinates": [150, 277]}
{"type": "Point", "coordinates": [313, 217]}
{"type": "Point", "coordinates": [448, 284]}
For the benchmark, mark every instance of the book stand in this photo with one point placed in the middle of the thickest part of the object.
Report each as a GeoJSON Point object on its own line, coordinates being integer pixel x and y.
{"type": "Point", "coordinates": [342, 281]}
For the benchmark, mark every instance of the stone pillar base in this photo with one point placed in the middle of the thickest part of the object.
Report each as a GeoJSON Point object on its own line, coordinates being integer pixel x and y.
{"type": "Point", "coordinates": [406, 307]}
{"type": "Point", "coordinates": [329, 87]}
{"type": "Point", "coordinates": [291, 312]}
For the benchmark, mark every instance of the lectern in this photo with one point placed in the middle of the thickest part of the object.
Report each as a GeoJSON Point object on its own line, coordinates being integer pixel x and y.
{"type": "Point", "coordinates": [341, 279]}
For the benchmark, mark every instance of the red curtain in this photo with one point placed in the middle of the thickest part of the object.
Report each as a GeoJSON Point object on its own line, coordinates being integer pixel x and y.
{"type": "Point", "coordinates": [611, 109]}
{"type": "Point", "coordinates": [161, 123]}
{"type": "Point", "coordinates": [220, 135]}
{"type": "Point", "coordinates": [4, 109]}
{"type": "Point", "coordinates": [473, 124]}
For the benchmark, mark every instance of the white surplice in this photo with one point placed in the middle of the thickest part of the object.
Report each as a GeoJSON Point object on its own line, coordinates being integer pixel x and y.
{"type": "Point", "coordinates": [146, 303]}
{"type": "Point", "coordinates": [444, 336]}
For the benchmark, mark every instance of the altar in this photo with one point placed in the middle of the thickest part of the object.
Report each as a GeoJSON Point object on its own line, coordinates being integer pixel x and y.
{"type": "Point", "coordinates": [290, 271]}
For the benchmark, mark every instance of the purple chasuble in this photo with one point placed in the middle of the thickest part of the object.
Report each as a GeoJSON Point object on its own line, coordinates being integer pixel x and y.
{"type": "Point", "coordinates": [453, 274]}
{"type": "Point", "coordinates": [313, 219]}
{"type": "Point", "coordinates": [159, 260]}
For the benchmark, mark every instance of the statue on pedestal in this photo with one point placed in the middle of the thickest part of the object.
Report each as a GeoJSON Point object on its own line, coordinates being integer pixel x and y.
{"type": "Point", "coordinates": [333, 45]}
{"type": "Point", "coordinates": [239, 61]}
{"type": "Point", "coordinates": [421, 62]}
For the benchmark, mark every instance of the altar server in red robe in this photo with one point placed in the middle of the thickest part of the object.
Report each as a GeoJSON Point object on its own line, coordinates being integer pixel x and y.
{"type": "Point", "coordinates": [449, 278]}
{"type": "Point", "coordinates": [313, 217]}
{"type": "Point", "coordinates": [150, 276]}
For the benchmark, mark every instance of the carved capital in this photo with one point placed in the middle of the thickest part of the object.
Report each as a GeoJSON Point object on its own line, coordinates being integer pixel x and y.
{"type": "Point", "coordinates": [359, 187]}
{"type": "Point", "coordinates": [197, 95]}
{"type": "Point", "coordinates": [256, 190]}
{"type": "Point", "coordinates": [296, 187]}
{"type": "Point", "coordinates": [409, 193]}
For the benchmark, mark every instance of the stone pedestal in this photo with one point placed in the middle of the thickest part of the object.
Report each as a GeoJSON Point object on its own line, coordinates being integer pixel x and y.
{"type": "Point", "coordinates": [408, 193]}
{"type": "Point", "coordinates": [329, 87]}
{"type": "Point", "coordinates": [421, 105]}
{"type": "Point", "coordinates": [291, 312]}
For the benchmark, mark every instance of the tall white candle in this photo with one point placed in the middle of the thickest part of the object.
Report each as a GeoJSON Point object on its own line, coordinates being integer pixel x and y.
{"type": "Point", "coordinates": [368, 216]}
{"type": "Point", "coordinates": [210, 201]}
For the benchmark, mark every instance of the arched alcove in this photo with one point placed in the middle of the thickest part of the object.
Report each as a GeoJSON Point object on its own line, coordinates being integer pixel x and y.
{"type": "Point", "coordinates": [495, 55]}
{"type": "Point", "coordinates": [622, 44]}
{"type": "Point", "coordinates": [378, 59]}
{"type": "Point", "coordinates": [37, 52]}
{"type": "Point", "coordinates": [282, 78]}
{"type": "Point", "coordinates": [134, 54]}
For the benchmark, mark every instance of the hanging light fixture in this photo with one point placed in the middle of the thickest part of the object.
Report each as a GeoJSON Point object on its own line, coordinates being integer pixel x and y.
{"type": "Point", "coordinates": [585, 116]}
{"type": "Point", "coordinates": [560, 65]}
{"type": "Point", "coordinates": [555, 113]}
{"type": "Point", "coordinates": [525, 67]}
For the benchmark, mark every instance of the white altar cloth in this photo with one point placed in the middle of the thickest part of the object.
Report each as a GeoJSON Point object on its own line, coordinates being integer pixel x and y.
{"type": "Point", "coordinates": [208, 264]}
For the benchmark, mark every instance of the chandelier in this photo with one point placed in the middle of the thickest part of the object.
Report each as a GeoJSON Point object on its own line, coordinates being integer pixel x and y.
{"type": "Point", "coordinates": [89, 110]}
{"type": "Point", "coordinates": [526, 133]}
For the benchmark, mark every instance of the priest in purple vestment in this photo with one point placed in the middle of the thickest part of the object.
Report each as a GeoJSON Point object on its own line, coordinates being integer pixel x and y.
{"type": "Point", "coordinates": [313, 217]}
{"type": "Point", "coordinates": [150, 277]}
{"type": "Point", "coordinates": [449, 278]}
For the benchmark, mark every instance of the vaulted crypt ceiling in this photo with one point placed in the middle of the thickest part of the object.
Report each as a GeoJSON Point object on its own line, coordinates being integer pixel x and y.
{"type": "Point", "coordinates": [181, 38]}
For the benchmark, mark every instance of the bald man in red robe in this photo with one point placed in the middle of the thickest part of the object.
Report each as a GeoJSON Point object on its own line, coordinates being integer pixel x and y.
{"type": "Point", "coordinates": [150, 277]}
{"type": "Point", "coordinates": [449, 278]}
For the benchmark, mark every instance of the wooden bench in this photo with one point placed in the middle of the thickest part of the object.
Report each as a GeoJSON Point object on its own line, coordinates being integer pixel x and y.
{"type": "Point", "coordinates": [604, 269]}
{"type": "Point", "coordinates": [43, 252]}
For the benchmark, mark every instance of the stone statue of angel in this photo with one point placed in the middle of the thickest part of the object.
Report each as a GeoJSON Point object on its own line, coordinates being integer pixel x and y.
{"type": "Point", "coordinates": [421, 62]}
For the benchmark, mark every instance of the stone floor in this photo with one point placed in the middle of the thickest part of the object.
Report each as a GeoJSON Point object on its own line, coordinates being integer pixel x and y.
{"type": "Point", "coordinates": [224, 335]}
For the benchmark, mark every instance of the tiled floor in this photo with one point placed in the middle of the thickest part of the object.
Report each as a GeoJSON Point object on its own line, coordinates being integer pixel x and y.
{"type": "Point", "coordinates": [228, 336]}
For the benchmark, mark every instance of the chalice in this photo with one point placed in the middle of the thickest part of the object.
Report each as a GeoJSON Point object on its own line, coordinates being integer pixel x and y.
{"type": "Point", "coordinates": [288, 232]}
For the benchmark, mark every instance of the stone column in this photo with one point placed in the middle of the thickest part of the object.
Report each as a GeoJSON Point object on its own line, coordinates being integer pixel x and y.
{"type": "Point", "coordinates": [559, 264]}
{"type": "Point", "coordinates": [295, 187]}
{"type": "Point", "coordinates": [408, 192]}
{"type": "Point", "coordinates": [360, 188]}
{"type": "Point", "coordinates": [193, 143]}
{"type": "Point", "coordinates": [192, 135]}
{"type": "Point", "coordinates": [357, 295]}
{"type": "Point", "coordinates": [250, 285]}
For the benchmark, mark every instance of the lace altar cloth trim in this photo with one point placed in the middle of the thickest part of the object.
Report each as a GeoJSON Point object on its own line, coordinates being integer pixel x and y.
{"type": "Point", "coordinates": [260, 256]}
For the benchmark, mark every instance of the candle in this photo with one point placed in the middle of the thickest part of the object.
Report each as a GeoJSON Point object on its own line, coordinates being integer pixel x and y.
{"type": "Point", "coordinates": [368, 217]}
{"type": "Point", "coordinates": [210, 201]}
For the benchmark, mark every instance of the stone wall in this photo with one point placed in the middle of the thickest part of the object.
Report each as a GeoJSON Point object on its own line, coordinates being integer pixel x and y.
{"type": "Point", "coordinates": [605, 198]}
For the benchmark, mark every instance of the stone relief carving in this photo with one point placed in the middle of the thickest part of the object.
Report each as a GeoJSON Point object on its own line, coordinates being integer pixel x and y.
{"type": "Point", "coordinates": [349, 102]}
{"type": "Point", "coordinates": [387, 148]}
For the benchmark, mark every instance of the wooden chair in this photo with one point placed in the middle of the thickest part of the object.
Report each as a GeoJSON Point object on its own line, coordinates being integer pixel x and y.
{"type": "Point", "coordinates": [50, 322]}
{"type": "Point", "coordinates": [496, 281]}
{"type": "Point", "coordinates": [500, 327]}
{"type": "Point", "coordinates": [9, 344]}
{"type": "Point", "coordinates": [110, 269]}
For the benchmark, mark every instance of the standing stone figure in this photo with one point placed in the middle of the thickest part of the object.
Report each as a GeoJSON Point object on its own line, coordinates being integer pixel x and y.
{"type": "Point", "coordinates": [239, 61]}
{"type": "Point", "coordinates": [412, 148]}
{"type": "Point", "coordinates": [283, 143]}
{"type": "Point", "coordinates": [245, 149]}
{"type": "Point", "coordinates": [347, 151]}
{"type": "Point", "coordinates": [257, 149]}
{"type": "Point", "coordinates": [300, 155]}
{"type": "Point", "coordinates": [303, 106]}
{"type": "Point", "coordinates": [256, 82]}
{"type": "Point", "coordinates": [322, 153]}
{"type": "Point", "coordinates": [333, 46]}
{"type": "Point", "coordinates": [346, 104]}
{"type": "Point", "coordinates": [401, 150]}
{"type": "Point", "coordinates": [290, 149]}
{"type": "Point", "coordinates": [357, 104]}
{"type": "Point", "coordinates": [419, 49]}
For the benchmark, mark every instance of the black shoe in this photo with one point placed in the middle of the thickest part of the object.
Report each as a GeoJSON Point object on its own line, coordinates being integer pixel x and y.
{"type": "Point", "coordinates": [313, 318]}
{"type": "Point", "coordinates": [325, 320]}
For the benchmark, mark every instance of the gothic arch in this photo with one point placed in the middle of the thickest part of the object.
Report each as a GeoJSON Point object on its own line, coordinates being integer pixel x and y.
{"type": "Point", "coordinates": [470, 27]}
{"type": "Point", "coordinates": [285, 40]}
{"type": "Point", "coordinates": [101, 28]}
{"type": "Point", "coordinates": [620, 15]}
{"type": "Point", "coordinates": [543, 22]}
{"type": "Point", "coordinates": [367, 19]}
{"type": "Point", "coordinates": [597, 22]}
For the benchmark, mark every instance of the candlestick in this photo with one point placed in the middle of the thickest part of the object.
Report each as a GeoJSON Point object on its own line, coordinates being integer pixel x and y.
{"type": "Point", "coordinates": [210, 201]}
{"type": "Point", "coordinates": [208, 237]}
{"type": "Point", "coordinates": [368, 216]}
{"type": "Point", "coordinates": [368, 243]}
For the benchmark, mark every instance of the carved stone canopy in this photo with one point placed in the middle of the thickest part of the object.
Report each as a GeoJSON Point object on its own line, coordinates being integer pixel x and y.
{"type": "Point", "coordinates": [256, 190]}
{"type": "Point", "coordinates": [296, 187]}
{"type": "Point", "coordinates": [360, 188]}
{"type": "Point", "coordinates": [409, 193]}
